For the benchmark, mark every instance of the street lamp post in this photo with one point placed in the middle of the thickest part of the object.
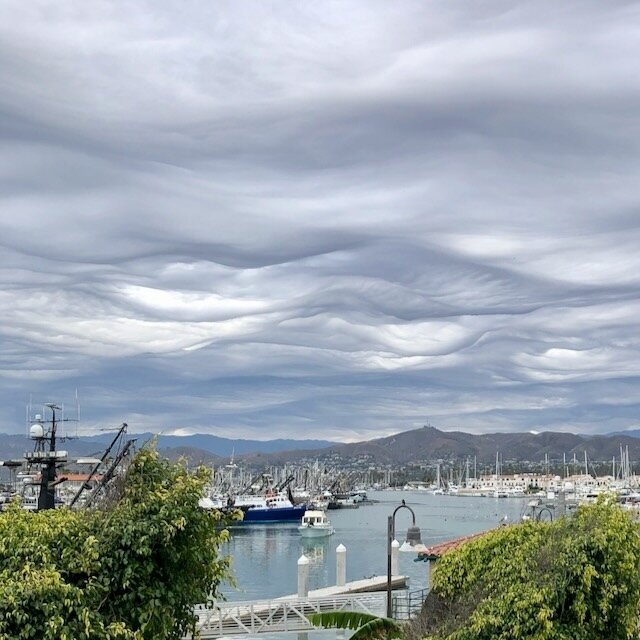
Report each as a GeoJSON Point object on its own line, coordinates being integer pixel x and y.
{"type": "Point", "coordinates": [413, 538]}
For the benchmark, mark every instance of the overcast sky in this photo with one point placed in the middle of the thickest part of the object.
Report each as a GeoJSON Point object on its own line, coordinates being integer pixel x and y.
{"type": "Point", "coordinates": [321, 219]}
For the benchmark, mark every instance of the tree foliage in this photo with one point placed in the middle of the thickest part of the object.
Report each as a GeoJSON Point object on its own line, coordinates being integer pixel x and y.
{"type": "Point", "coordinates": [573, 579]}
{"type": "Point", "coordinates": [132, 571]}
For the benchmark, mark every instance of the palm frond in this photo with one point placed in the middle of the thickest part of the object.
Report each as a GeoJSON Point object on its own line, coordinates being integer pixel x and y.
{"type": "Point", "coordinates": [379, 628]}
{"type": "Point", "coordinates": [367, 626]}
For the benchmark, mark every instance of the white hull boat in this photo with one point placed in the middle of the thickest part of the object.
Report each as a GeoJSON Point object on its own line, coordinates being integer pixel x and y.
{"type": "Point", "coordinates": [315, 524]}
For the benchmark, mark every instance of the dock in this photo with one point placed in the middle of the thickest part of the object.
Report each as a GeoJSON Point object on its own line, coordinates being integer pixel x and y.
{"type": "Point", "coordinates": [290, 613]}
{"type": "Point", "coordinates": [273, 616]}
{"type": "Point", "coordinates": [366, 585]}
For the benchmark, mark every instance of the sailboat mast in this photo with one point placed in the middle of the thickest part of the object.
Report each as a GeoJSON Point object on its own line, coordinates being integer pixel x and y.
{"type": "Point", "coordinates": [586, 466]}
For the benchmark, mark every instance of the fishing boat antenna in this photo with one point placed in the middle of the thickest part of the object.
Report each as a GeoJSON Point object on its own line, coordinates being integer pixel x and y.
{"type": "Point", "coordinates": [46, 429]}
{"type": "Point", "coordinates": [45, 454]}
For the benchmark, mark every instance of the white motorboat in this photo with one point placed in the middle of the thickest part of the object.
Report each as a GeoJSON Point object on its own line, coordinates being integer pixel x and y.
{"type": "Point", "coordinates": [315, 524]}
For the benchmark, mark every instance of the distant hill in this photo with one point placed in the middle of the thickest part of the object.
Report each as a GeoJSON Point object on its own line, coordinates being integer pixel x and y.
{"type": "Point", "coordinates": [194, 456]}
{"type": "Point", "coordinates": [632, 433]}
{"type": "Point", "coordinates": [193, 446]}
{"type": "Point", "coordinates": [429, 443]}
{"type": "Point", "coordinates": [227, 446]}
{"type": "Point", "coordinates": [417, 445]}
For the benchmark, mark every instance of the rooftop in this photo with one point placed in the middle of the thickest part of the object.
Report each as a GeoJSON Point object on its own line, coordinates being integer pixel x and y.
{"type": "Point", "coordinates": [438, 550]}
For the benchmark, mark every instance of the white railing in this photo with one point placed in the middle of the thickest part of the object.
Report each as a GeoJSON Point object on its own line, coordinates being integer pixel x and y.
{"type": "Point", "coordinates": [272, 616]}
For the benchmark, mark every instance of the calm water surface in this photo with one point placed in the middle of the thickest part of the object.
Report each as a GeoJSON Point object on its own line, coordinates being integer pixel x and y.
{"type": "Point", "coordinates": [264, 557]}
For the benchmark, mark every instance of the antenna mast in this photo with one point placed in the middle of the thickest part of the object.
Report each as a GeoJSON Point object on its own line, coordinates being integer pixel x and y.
{"type": "Point", "coordinates": [45, 452]}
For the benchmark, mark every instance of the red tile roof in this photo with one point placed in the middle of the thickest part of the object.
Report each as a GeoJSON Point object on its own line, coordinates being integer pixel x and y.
{"type": "Point", "coordinates": [438, 550]}
{"type": "Point", "coordinates": [79, 477]}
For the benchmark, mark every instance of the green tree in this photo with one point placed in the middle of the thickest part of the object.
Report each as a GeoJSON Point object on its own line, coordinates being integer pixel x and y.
{"type": "Point", "coordinates": [133, 570]}
{"type": "Point", "coordinates": [573, 579]}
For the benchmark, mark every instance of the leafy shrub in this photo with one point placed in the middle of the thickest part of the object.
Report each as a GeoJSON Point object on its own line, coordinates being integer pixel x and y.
{"type": "Point", "coordinates": [574, 579]}
{"type": "Point", "coordinates": [132, 571]}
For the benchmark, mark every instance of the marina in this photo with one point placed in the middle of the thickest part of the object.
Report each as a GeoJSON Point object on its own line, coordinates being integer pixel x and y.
{"type": "Point", "coordinates": [264, 556]}
{"type": "Point", "coordinates": [48, 477]}
{"type": "Point", "coordinates": [266, 561]}
{"type": "Point", "coordinates": [289, 560]}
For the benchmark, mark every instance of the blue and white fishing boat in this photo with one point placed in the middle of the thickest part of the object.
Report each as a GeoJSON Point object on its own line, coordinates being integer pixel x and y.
{"type": "Point", "coordinates": [276, 508]}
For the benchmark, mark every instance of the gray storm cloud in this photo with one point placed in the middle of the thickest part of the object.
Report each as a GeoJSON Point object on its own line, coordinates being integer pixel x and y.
{"type": "Point", "coordinates": [341, 219]}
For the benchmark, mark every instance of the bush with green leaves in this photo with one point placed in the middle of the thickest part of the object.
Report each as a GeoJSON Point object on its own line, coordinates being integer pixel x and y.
{"type": "Point", "coordinates": [132, 571]}
{"type": "Point", "coordinates": [573, 579]}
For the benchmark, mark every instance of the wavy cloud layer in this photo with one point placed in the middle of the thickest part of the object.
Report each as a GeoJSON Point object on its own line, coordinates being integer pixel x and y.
{"type": "Point", "coordinates": [330, 220]}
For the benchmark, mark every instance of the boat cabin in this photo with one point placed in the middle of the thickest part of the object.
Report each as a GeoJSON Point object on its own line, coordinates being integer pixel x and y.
{"type": "Point", "coordinates": [313, 518]}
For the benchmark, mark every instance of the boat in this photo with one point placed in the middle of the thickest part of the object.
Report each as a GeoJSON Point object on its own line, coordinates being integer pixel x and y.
{"type": "Point", "coordinates": [500, 491]}
{"type": "Point", "coordinates": [315, 524]}
{"type": "Point", "coordinates": [277, 508]}
{"type": "Point", "coordinates": [440, 487]}
{"type": "Point", "coordinates": [343, 501]}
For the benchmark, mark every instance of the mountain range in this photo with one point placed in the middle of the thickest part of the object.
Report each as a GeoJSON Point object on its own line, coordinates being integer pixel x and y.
{"type": "Point", "coordinates": [429, 444]}
{"type": "Point", "coordinates": [417, 445]}
{"type": "Point", "coordinates": [197, 447]}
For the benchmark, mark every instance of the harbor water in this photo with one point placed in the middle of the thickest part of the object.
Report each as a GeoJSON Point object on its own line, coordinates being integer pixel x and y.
{"type": "Point", "coordinates": [264, 556]}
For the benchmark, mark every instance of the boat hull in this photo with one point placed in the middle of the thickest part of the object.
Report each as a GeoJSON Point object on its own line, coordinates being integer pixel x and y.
{"type": "Point", "coordinates": [316, 532]}
{"type": "Point", "coordinates": [274, 514]}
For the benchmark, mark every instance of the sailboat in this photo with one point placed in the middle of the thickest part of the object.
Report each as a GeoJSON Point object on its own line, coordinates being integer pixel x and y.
{"type": "Point", "coordinates": [439, 488]}
{"type": "Point", "coordinates": [499, 491]}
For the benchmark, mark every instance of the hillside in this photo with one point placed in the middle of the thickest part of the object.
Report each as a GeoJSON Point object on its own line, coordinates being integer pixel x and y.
{"type": "Point", "coordinates": [418, 445]}
{"type": "Point", "coordinates": [429, 443]}
{"type": "Point", "coordinates": [198, 447]}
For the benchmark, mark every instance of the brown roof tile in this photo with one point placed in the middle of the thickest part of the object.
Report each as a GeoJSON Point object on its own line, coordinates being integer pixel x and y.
{"type": "Point", "coordinates": [438, 550]}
